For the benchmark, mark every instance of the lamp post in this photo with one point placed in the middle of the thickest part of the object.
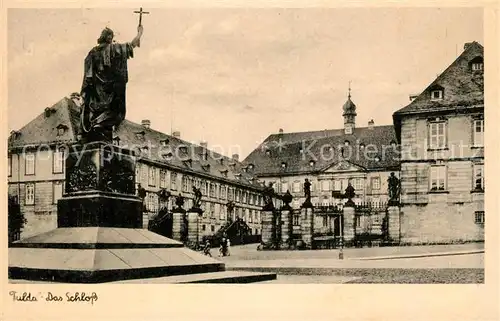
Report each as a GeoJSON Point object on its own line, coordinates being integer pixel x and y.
{"type": "Point", "coordinates": [341, 252]}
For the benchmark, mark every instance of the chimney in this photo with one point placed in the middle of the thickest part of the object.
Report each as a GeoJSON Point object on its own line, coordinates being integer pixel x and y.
{"type": "Point", "coordinates": [204, 144]}
{"type": "Point", "coordinates": [371, 123]}
{"type": "Point", "coordinates": [176, 134]}
{"type": "Point", "coordinates": [281, 131]}
{"type": "Point", "coordinates": [236, 157]}
{"type": "Point", "coordinates": [412, 97]}
{"type": "Point", "coordinates": [467, 45]}
{"type": "Point", "coordinates": [146, 123]}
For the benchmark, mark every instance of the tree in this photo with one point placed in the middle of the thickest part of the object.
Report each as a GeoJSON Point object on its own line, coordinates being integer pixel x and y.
{"type": "Point", "coordinates": [16, 219]}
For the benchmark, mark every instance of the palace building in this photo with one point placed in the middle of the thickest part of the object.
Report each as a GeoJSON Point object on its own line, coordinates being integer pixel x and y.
{"type": "Point", "coordinates": [330, 159]}
{"type": "Point", "coordinates": [36, 173]}
{"type": "Point", "coordinates": [441, 133]}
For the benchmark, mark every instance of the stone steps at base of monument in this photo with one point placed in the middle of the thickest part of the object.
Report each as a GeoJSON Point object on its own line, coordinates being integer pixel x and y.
{"type": "Point", "coordinates": [237, 277]}
{"type": "Point", "coordinates": [104, 254]}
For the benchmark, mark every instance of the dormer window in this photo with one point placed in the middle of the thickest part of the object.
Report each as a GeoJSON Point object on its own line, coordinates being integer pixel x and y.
{"type": "Point", "coordinates": [188, 162]}
{"type": "Point", "coordinates": [224, 172]}
{"type": "Point", "coordinates": [377, 159]}
{"type": "Point", "coordinates": [206, 167]}
{"type": "Point", "coordinates": [222, 161]}
{"type": "Point", "coordinates": [164, 142]}
{"type": "Point", "coordinates": [346, 143]}
{"type": "Point", "coordinates": [312, 163]}
{"type": "Point", "coordinates": [61, 129]}
{"type": "Point", "coordinates": [116, 141]}
{"type": "Point", "coordinates": [362, 146]}
{"type": "Point", "coordinates": [183, 148]}
{"type": "Point", "coordinates": [283, 165]}
{"type": "Point", "coordinates": [139, 135]}
{"type": "Point", "coordinates": [437, 93]}
{"type": "Point", "coordinates": [251, 166]}
{"type": "Point", "coordinates": [268, 152]}
{"type": "Point", "coordinates": [238, 175]}
{"type": "Point", "coordinates": [477, 64]}
{"type": "Point", "coordinates": [167, 156]}
{"type": "Point", "coordinates": [144, 149]}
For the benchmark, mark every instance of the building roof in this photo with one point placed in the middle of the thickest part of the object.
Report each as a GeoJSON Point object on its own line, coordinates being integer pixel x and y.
{"type": "Point", "coordinates": [462, 87]}
{"type": "Point", "coordinates": [44, 128]}
{"type": "Point", "coordinates": [184, 156]}
{"type": "Point", "coordinates": [297, 150]}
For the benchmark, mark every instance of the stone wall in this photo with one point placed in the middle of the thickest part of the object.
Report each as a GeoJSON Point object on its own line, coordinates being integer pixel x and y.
{"type": "Point", "coordinates": [440, 223]}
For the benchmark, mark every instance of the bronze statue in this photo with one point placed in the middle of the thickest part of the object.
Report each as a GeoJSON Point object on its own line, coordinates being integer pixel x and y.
{"type": "Point", "coordinates": [307, 190]}
{"type": "Point", "coordinates": [268, 195]}
{"type": "Point", "coordinates": [393, 187]}
{"type": "Point", "coordinates": [287, 199]}
{"type": "Point", "coordinates": [141, 192]}
{"type": "Point", "coordinates": [179, 201]}
{"type": "Point", "coordinates": [103, 88]}
{"type": "Point", "coordinates": [349, 194]}
{"type": "Point", "coordinates": [197, 197]}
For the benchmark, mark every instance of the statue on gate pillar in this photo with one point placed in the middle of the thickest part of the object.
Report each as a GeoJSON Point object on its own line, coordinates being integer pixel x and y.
{"type": "Point", "coordinates": [287, 199]}
{"type": "Point", "coordinates": [307, 193]}
{"type": "Point", "coordinates": [393, 189]}
{"type": "Point", "coordinates": [268, 194]}
{"type": "Point", "coordinates": [349, 194]}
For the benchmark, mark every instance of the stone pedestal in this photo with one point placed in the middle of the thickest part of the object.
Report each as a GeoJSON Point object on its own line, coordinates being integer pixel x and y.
{"type": "Point", "coordinates": [307, 226]}
{"type": "Point", "coordinates": [394, 224]}
{"type": "Point", "coordinates": [100, 188]}
{"type": "Point", "coordinates": [267, 227]}
{"type": "Point", "coordinates": [349, 224]}
{"type": "Point", "coordinates": [193, 236]}
{"type": "Point", "coordinates": [286, 227]}
{"type": "Point", "coordinates": [178, 226]}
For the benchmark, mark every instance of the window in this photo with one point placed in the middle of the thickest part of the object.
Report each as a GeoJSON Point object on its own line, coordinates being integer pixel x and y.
{"type": "Point", "coordinates": [237, 192]}
{"type": "Point", "coordinates": [337, 185]}
{"type": "Point", "coordinates": [57, 191]}
{"type": "Point", "coordinates": [9, 165]}
{"type": "Point", "coordinates": [477, 66]}
{"type": "Point", "coordinates": [222, 212]}
{"type": "Point", "coordinates": [296, 187]}
{"type": "Point", "coordinates": [173, 181]}
{"type": "Point", "coordinates": [184, 180]}
{"type": "Point", "coordinates": [144, 173]}
{"type": "Point", "coordinates": [284, 187]}
{"type": "Point", "coordinates": [479, 177]}
{"type": "Point", "coordinates": [358, 183]}
{"type": "Point", "coordinates": [248, 215]}
{"type": "Point", "coordinates": [30, 194]}
{"type": "Point", "coordinates": [438, 178]}
{"type": "Point", "coordinates": [29, 162]}
{"type": "Point", "coordinates": [163, 178]}
{"type": "Point", "coordinates": [152, 176]}
{"type": "Point", "coordinates": [325, 185]}
{"type": "Point", "coordinates": [479, 217]}
{"type": "Point", "coordinates": [212, 190]}
{"type": "Point", "coordinates": [375, 182]}
{"type": "Point", "coordinates": [325, 221]}
{"type": "Point", "coordinates": [223, 193]}
{"type": "Point", "coordinates": [212, 228]}
{"type": "Point", "coordinates": [230, 195]}
{"type": "Point", "coordinates": [479, 132]}
{"type": "Point", "coordinates": [296, 219]}
{"type": "Point", "coordinates": [437, 94]}
{"type": "Point", "coordinates": [58, 161]}
{"type": "Point", "coordinates": [138, 173]}
{"type": "Point", "coordinates": [212, 209]}
{"type": "Point", "coordinates": [203, 227]}
{"type": "Point", "coordinates": [437, 135]}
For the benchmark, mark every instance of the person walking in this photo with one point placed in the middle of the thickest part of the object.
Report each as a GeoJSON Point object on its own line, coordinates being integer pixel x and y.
{"type": "Point", "coordinates": [228, 245]}
{"type": "Point", "coordinates": [206, 249]}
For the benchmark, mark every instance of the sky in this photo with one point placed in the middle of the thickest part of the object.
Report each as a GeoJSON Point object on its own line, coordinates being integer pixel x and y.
{"type": "Point", "coordinates": [232, 77]}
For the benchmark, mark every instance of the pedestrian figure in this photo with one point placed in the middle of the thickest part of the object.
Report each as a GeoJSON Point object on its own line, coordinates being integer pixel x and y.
{"type": "Point", "coordinates": [206, 249]}
{"type": "Point", "coordinates": [228, 245]}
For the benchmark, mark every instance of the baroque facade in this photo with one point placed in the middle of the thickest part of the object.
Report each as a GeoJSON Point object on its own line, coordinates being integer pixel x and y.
{"type": "Point", "coordinates": [441, 133]}
{"type": "Point", "coordinates": [36, 171]}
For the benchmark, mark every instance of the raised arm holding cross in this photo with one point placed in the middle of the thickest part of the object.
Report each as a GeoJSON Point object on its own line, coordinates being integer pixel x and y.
{"type": "Point", "coordinates": [137, 39]}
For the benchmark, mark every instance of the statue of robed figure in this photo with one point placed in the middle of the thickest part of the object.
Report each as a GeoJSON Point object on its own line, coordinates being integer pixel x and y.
{"type": "Point", "coordinates": [104, 84]}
